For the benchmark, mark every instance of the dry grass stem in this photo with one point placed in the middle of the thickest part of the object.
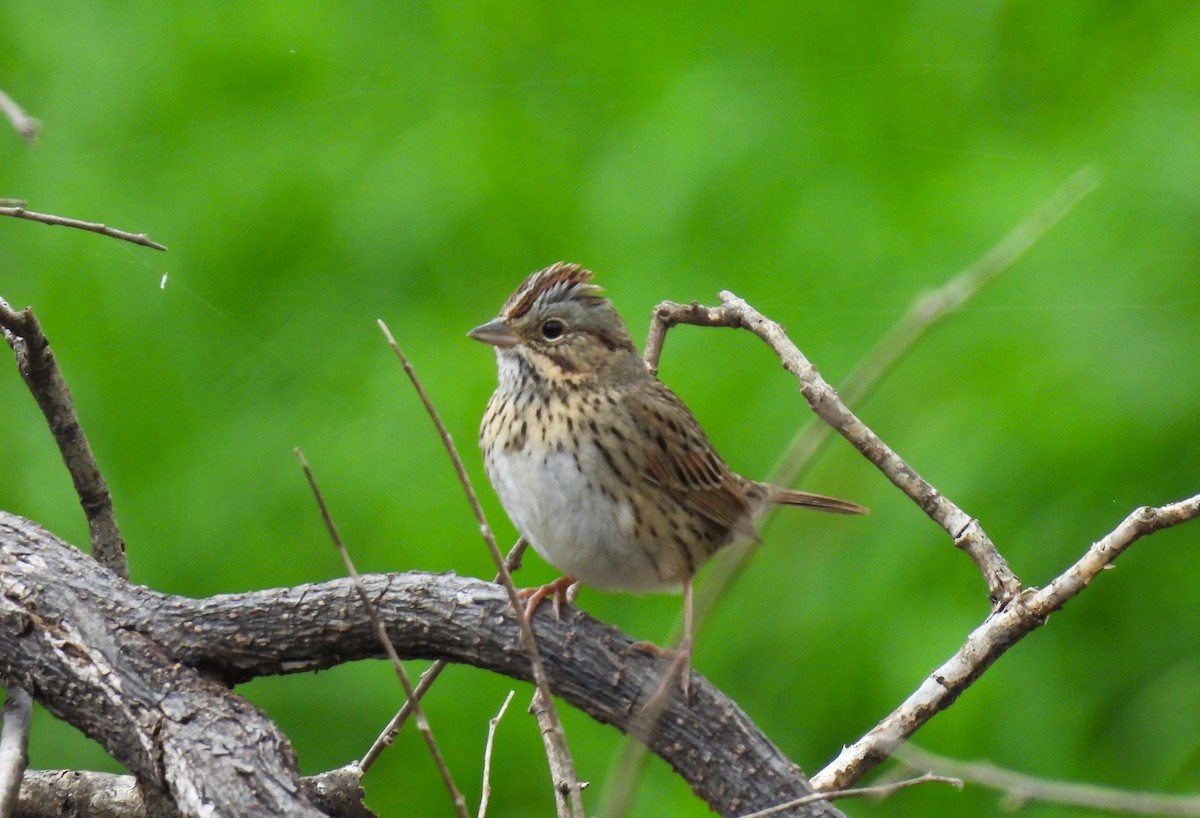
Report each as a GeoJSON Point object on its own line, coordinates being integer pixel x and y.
{"type": "Point", "coordinates": [557, 752]}
{"type": "Point", "coordinates": [876, 792]}
{"type": "Point", "coordinates": [389, 733]}
{"type": "Point", "coordinates": [493, 723]}
{"type": "Point", "coordinates": [460, 803]}
{"type": "Point", "coordinates": [1019, 789]}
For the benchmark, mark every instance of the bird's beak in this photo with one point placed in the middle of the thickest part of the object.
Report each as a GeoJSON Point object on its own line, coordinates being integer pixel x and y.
{"type": "Point", "coordinates": [496, 333]}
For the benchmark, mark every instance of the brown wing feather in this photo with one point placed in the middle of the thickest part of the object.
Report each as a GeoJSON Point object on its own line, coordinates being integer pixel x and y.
{"type": "Point", "coordinates": [683, 462]}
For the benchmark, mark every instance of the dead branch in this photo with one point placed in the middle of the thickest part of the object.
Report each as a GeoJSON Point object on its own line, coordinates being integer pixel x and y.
{"type": "Point", "coordinates": [116, 660]}
{"type": "Point", "coordinates": [990, 640]}
{"type": "Point", "coordinates": [14, 741]}
{"type": "Point", "coordinates": [1003, 584]}
{"type": "Point", "coordinates": [92, 227]}
{"type": "Point", "coordinates": [423, 726]}
{"type": "Point", "coordinates": [925, 312]}
{"type": "Point", "coordinates": [56, 793]}
{"type": "Point", "coordinates": [876, 792]}
{"type": "Point", "coordinates": [39, 369]}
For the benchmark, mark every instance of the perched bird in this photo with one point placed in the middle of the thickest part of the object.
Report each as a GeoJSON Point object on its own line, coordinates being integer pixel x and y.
{"type": "Point", "coordinates": [600, 466]}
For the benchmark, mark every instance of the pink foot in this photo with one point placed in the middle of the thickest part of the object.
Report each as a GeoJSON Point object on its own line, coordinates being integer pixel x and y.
{"type": "Point", "coordinates": [557, 589]}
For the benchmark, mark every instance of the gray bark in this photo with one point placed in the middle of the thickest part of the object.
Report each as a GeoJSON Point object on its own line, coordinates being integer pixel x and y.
{"type": "Point", "coordinates": [143, 672]}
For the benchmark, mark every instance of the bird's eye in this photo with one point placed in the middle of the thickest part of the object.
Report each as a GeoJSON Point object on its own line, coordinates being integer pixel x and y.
{"type": "Point", "coordinates": [553, 329]}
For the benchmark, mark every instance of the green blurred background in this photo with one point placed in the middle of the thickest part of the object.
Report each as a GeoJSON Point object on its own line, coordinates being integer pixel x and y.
{"type": "Point", "coordinates": [315, 166]}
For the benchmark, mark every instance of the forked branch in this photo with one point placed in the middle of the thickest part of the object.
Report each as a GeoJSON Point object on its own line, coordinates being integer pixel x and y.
{"type": "Point", "coordinates": [991, 639]}
{"type": "Point", "coordinates": [964, 530]}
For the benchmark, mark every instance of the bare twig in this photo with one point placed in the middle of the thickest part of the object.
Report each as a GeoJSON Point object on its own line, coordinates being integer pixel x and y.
{"type": "Point", "coordinates": [1019, 789]}
{"type": "Point", "coordinates": [968, 535]}
{"type": "Point", "coordinates": [460, 803]}
{"type": "Point", "coordinates": [990, 640]}
{"type": "Point", "coordinates": [26, 126]}
{"type": "Point", "coordinates": [566, 783]}
{"type": "Point", "coordinates": [93, 227]}
{"type": "Point", "coordinates": [38, 368]}
{"type": "Point", "coordinates": [878, 791]}
{"type": "Point", "coordinates": [389, 733]}
{"type": "Point", "coordinates": [14, 743]}
{"type": "Point", "coordinates": [493, 723]}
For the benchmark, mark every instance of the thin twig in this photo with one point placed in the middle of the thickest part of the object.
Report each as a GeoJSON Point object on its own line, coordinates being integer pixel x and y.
{"type": "Point", "coordinates": [25, 125]}
{"type": "Point", "coordinates": [460, 803]}
{"type": "Point", "coordinates": [966, 532]}
{"type": "Point", "coordinates": [92, 227]}
{"type": "Point", "coordinates": [14, 744]}
{"type": "Point", "coordinates": [566, 783]}
{"type": "Point", "coordinates": [389, 733]}
{"type": "Point", "coordinates": [989, 641]}
{"type": "Point", "coordinates": [1020, 789]}
{"type": "Point", "coordinates": [39, 369]}
{"type": "Point", "coordinates": [878, 791]}
{"type": "Point", "coordinates": [493, 723]}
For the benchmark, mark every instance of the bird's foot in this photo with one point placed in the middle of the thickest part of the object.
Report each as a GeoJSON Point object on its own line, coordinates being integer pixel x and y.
{"type": "Point", "coordinates": [680, 667]}
{"type": "Point", "coordinates": [557, 589]}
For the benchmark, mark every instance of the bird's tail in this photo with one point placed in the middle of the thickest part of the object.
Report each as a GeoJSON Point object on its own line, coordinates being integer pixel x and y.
{"type": "Point", "coordinates": [792, 497]}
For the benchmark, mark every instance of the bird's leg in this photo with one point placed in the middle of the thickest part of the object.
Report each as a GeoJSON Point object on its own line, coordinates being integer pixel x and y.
{"type": "Point", "coordinates": [558, 589]}
{"type": "Point", "coordinates": [680, 655]}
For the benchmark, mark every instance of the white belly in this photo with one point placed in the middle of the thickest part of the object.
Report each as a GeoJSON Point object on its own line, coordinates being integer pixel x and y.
{"type": "Point", "coordinates": [576, 528]}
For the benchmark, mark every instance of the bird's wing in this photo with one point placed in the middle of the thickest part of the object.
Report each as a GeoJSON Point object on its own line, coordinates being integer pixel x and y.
{"type": "Point", "coordinates": [682, 461]}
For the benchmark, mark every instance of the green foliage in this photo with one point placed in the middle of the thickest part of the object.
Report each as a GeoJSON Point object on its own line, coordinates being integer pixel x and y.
{"type": "Point", "coordinates": [316, 166]}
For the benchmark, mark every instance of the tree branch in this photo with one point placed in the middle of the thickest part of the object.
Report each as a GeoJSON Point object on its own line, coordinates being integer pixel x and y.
{"type": "Point", "coordinates": [39, 369]}
{"type": "Point", "coordinates": [14, 747]}
{"type": "Point", "coordinates": [989, 641]}
{"type": "Point", "coordinates": [56, 793]}
{"type": "Point", "coordinates": [1003, 584]}
{"type": "Point", "coordinates": [92, 227]}
{"type": "Point", "coordinates": [177, 731]}
{"type": "Point", "coordinates": [117, 660]}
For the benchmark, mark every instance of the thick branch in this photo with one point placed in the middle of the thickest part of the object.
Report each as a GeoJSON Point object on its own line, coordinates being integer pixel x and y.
{"type": "Point", "coordinates": [176, 730]}
{"type": "Point", "coordinates": [55, 793]}
{"type": "Point", "coordinates": [63, 619]}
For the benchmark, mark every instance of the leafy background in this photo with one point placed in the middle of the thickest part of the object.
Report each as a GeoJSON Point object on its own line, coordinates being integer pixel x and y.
{"type": "Point", "coordinates": [316, 166]}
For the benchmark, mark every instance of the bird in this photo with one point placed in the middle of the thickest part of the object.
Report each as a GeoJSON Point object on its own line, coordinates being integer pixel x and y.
{"type": "Point", "coordinates": [599, 465]}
